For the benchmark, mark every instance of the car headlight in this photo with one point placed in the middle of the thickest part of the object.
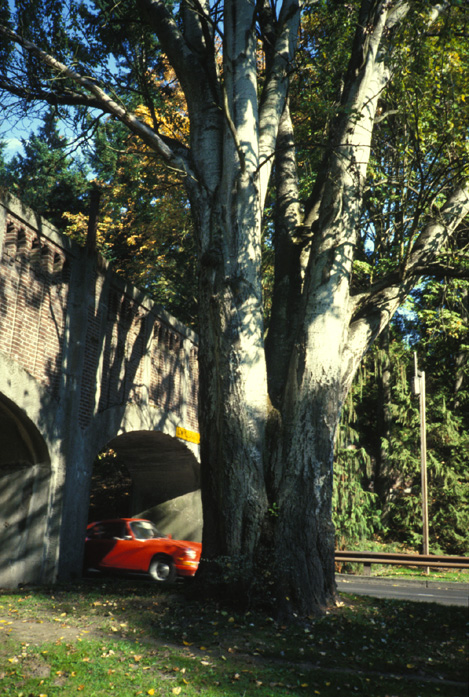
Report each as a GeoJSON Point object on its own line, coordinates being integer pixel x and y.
{"type": "Point", "coordinates": [189, 554]}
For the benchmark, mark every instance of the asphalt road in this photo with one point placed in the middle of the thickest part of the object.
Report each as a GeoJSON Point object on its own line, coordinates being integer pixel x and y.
{"type": "Point", "coordinates": [424, 591]}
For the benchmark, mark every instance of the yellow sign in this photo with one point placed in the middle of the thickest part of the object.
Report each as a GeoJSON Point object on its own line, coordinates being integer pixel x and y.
{"type": "Point", "coordinates": [190, 436]}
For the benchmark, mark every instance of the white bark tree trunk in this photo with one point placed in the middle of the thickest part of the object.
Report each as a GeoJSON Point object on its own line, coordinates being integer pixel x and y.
{"type": "Point", "coordinates": [232, 364]}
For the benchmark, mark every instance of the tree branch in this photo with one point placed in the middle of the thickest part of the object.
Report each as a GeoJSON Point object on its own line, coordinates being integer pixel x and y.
{"type": "Point", "coordinates": [276, 86]}
{"type": "Point", "coordinates": [371, 311]}
{"type": "Point", "coordinates": [442, 270]}
{"type": "Point", "coordinates": [64, 98]}
{"type": "Point", "coordinates": [184, 49]}
{"type": "Point", "coordinates": [98, 99]}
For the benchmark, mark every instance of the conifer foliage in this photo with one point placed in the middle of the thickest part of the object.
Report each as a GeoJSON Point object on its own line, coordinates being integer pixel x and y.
{"type": "Point", "coordinates": [378, 472]}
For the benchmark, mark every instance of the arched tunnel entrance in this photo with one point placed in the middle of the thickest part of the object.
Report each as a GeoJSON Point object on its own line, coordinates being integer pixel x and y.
{"type": "Point", "coordinates": [151, 475]}
{"type": "Point", "coordinates": [25, 473]}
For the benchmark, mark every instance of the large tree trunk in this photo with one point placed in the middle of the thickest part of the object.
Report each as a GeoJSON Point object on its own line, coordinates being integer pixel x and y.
{"type": "Point", "coordinates": [267, 458]}
{"type": "Point", "coordinates": [268, 418]}
{"type": "Point", "coordinates": [304, 534]}
{"type": "Point", "coordinates": [233, 380]}
{"type": "Point", "coordinates": [232, 397]}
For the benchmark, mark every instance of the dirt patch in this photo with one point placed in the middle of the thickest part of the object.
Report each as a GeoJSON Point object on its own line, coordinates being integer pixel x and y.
{"type": "Point", "coordinates": [39, 632]}
{"type": "Point", "coordinates": [33, 667]}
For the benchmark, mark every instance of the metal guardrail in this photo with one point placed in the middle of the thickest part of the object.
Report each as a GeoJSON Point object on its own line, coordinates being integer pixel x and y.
{"type": "Point", "coordinates": [428, 560]}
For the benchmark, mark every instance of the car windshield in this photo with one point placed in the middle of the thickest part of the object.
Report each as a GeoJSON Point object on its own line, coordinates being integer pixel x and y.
{"type": "Point", "coordinates": [145, 530]}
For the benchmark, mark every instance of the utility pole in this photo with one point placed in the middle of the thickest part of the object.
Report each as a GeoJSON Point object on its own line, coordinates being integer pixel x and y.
{"type": "Point", "coordinates": [418, 390]}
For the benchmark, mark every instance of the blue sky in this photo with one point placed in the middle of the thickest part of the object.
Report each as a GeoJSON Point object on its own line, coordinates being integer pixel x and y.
{"type": "Point", "coordinates": [13, 145]}
{"type": "Point", "coordinates": [12, 130]}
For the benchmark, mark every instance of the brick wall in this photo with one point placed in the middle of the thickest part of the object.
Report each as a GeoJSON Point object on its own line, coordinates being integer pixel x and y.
{"type": "Point", "coordinates": [132, 353]}
{"type": "Point", "coordinates": [33, 301]}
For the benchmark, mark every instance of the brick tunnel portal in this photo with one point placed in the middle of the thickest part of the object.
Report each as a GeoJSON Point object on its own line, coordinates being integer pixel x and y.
{"type": "Point", "coordinates": [162, 478]}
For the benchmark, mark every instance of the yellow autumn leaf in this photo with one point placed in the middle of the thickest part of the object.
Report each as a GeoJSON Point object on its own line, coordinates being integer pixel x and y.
{"type": "Point", "coordinates": [177, 690]}
{"type": "Point", "coordinates": [143, 113]}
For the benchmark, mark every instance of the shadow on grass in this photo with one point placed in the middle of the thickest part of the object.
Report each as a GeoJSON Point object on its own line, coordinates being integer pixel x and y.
{"type": "Point", "coordinates": [366, 646]}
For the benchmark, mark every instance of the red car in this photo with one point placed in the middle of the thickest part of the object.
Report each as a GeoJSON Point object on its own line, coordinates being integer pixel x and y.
{"type": "Point", "coordinates": [135, 544]}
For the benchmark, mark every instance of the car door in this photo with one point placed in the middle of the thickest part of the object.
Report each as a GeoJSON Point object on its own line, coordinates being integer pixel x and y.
{"type": "Point", "coordinates": [106, 544]}
{"type": "Point", "coordinates": [122, 550]}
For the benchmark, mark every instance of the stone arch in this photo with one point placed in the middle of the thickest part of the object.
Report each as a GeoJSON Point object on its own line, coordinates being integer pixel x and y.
{"type": "Point", "coordinates": [25, 473]}
{"type": "Point", "coordinates": [165, 481]}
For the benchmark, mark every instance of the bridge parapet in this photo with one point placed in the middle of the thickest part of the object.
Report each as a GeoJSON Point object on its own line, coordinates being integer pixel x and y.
{"type": "Point", "coordinates": [53, 295]}
{"type": "Point", "coordinates": [34, 275]}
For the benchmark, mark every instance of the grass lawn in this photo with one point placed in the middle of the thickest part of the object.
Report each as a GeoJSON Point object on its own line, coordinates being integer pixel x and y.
{"type": "Point", "coordinates": [129, 638]}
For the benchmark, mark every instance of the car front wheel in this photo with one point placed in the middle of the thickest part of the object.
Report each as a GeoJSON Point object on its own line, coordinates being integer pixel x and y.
{"type": "Point", "coordinates": [162, 570]}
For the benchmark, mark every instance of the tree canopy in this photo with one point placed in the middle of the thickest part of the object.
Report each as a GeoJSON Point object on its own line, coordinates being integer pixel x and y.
{"type": "Point", "coordinates": [331, 136]}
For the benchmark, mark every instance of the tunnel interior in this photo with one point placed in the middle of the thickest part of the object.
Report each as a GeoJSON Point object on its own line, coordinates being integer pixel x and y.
{"type": "Point", "coordinates": [25, 471]}
{"type": "Point", "coordinates": [153, 475]}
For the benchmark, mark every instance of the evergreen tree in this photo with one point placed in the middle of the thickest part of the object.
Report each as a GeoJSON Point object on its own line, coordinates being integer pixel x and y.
{"type": "Point", "coordinates": [384, 497]}
{"type": "Point", "coordinates": [47, 178]}
{"type": "Point", "coordinates": [3, 163]}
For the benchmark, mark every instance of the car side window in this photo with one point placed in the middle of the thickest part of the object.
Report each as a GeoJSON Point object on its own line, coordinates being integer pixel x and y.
{"type": "Point", "coordinates": [108, 531]}
{"type": "Point", "coordinates": [115, 530]}
{"type": "Point", "coordinates": [144, 530]}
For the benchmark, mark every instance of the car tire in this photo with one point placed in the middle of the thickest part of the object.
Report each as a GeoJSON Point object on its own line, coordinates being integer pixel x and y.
{"type": "Point", "coordinates": [162, 569]}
